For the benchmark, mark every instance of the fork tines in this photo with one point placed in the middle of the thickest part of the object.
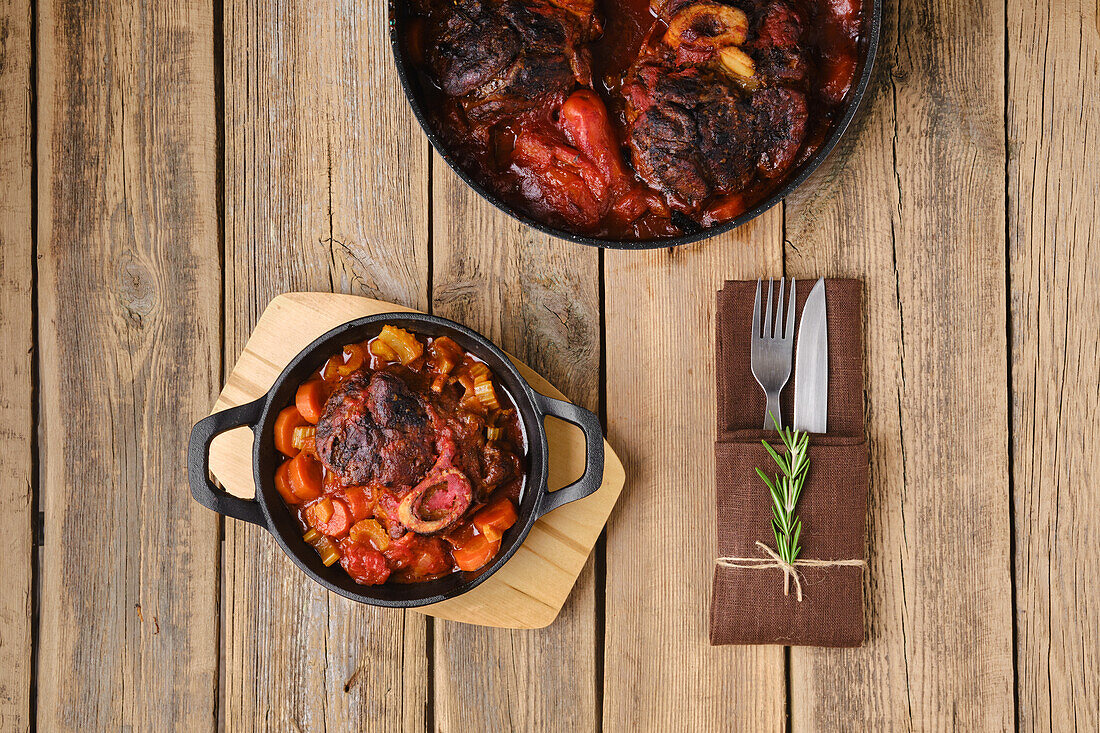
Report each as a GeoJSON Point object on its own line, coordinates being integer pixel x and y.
{"type": "Point", "coordinates": [772, 345]}
{"type": "Point", "coordinates": [768, 331]}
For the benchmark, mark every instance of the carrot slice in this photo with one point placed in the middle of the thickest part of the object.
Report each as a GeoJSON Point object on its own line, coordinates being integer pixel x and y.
{"type": "Point", "coordinates": [311, 399]}
{"type": "Point", "coordinates": [304, 475]}
{"type": "Point", "coordinates": [340, 521]}
{"type": "Point", "coordinates": [282, 483]}
{"type": "Point", "coordinates": [318, 513]}
{"type": "Point", "coordinates": [359, 502]}
{"type": "Point", "coordinates": [493, 520]}
{"type": "Point", "coordinates": [330, 517]}
{"type": "Point", "coordinates": [475, 552]}
{"type": "Point", "coordinates": [285, 423]}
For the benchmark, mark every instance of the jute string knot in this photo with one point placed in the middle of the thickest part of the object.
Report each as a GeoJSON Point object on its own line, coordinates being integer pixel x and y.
{"type": "Point", "coordinates": [789, 570]}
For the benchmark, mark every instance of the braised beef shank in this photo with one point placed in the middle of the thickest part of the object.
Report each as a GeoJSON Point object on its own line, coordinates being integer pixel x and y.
{"type": "Point", "coordinates": [693, 134]}
{"type": "Point", "coordinates": [502, 57]}
{"type": "Point", "coordinates": [376, 429]}
{"type": "Point", "coordinates": [707, 108]}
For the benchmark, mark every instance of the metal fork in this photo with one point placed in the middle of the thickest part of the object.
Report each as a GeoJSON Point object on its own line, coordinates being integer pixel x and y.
{"type": "Point", "coordinates": [771, 349]}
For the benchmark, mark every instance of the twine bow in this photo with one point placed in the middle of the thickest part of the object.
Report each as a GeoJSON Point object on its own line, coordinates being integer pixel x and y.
{"type": "Point", "coordinates": [790, 570]}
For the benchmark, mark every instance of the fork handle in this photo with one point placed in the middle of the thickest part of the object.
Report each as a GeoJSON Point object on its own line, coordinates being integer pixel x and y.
{"type": "Point", "coordinates": [772, 409]}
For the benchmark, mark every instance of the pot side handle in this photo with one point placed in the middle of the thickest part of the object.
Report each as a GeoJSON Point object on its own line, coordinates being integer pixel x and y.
{"type": "Point", "coordinates": [592, 478]}
{"type": "Point", "coordinates": [198, 463]}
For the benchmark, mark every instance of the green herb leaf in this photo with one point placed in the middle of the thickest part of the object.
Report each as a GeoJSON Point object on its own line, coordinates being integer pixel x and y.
{"type": "Point", "coordinates": [786, 488]}
{"type": "Point", "coordinates": [775, 456]}
{"type": "Point", "coordinates": [795, 549]}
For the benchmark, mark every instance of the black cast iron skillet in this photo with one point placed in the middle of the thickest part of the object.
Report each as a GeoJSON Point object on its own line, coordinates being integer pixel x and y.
{"type": "Point", "coordinates": [268, 510]}
{"type": "Point", "coordinates": [411, 82]}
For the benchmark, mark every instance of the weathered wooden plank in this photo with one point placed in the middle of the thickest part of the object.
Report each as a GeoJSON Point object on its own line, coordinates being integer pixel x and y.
{"type": "Point", "coordinates": [313, 113]}
{"type": "Point", "coordinates": [660, 672]}
{"type": "Point", "coordinates": [1054, 261]}
{"type": "Point", "coordinates": [379, 166]}
{"type": "Point", "coordinates": [914, 207]}
{"type": "Point", "coordinates": [129, 324]}
{"type": "Point", "coordinates": [537, 298]}
{"type": "Point", "coordinates": [16, 315]}
{"type": "Point", "coordinates": [841, 225]}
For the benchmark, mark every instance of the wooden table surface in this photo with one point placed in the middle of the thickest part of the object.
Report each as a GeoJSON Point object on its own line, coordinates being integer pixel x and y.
{"type": "Point", "coordinates": [166, 168]}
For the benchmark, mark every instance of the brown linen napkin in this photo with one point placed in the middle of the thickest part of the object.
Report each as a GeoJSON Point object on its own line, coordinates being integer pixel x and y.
{"type": "Point", "coordinates": [748, 604]}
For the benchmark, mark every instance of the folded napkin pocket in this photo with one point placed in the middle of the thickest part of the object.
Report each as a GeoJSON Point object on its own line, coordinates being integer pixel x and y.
{"type": "Point", "coordinates": [757, 598]}
{"type": "Point", "coordinates": [753, 601]}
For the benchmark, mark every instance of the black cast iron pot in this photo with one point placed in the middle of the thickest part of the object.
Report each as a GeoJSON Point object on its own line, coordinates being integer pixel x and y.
{"type": "Point", "coordinates": [413, 79]}
{"type": "Point", "coordinates": [268, 510]}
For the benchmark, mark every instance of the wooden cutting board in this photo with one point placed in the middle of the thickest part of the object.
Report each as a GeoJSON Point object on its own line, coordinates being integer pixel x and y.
{"type": "Point", "coordinates": [531, 588]}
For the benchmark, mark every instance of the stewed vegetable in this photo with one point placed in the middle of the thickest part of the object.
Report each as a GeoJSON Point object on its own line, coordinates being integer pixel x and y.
{"type": "Point", "coordinates": [404, 460]}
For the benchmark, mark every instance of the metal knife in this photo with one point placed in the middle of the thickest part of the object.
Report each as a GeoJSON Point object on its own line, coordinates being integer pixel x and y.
{"type": "Point", "coordinates": [811, 365]}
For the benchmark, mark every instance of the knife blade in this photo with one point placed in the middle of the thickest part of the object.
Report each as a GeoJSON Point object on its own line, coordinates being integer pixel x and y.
{"type": "Point", "coordinates": [811, 365]}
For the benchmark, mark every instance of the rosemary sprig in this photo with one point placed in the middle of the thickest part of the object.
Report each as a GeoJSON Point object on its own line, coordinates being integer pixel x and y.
{"type": "Point", "coordinates": [786, 488]}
